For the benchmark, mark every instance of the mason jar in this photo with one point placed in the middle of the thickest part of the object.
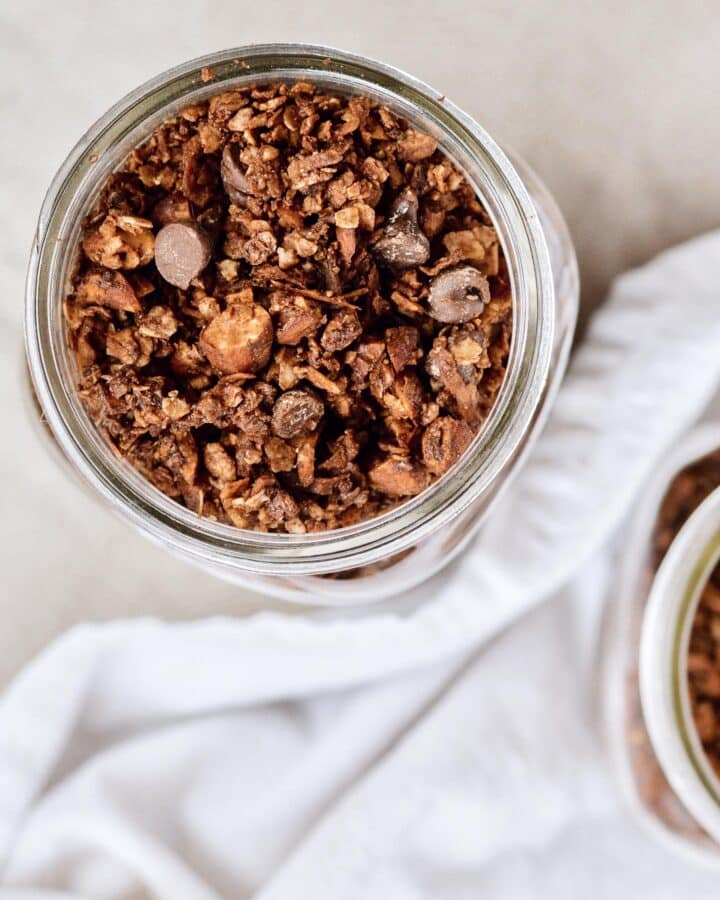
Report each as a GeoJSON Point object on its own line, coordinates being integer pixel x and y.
{"type": "Point", "coordinates": [670, 552]}
{"type": "Point", "coordinates": [392, 552]}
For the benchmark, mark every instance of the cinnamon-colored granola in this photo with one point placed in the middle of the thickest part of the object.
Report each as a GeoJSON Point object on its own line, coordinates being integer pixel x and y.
{"type": "Point", "coordinates": [290, 309]}
{"type": "Point", "coordinates": [686, 492]}
{"type": "Point", "coordinates": [704, 670]}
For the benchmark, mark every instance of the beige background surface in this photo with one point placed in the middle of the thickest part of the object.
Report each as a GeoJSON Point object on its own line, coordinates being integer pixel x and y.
{"type": "Point", "coordinates": [614, 103]}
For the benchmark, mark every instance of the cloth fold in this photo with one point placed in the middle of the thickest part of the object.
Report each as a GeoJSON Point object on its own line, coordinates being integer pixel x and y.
{"type": "Point", "coordinates": [393, 754]}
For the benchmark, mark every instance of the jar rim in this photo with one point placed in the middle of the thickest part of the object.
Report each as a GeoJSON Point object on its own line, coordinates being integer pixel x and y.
{"type": "Point", "coordinates": [366, 542]}
{"type": "Point", "coordinates": [673, 600]}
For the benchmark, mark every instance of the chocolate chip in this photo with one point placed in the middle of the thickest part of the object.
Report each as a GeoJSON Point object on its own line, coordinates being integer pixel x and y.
{"type": "Point", "coordinates": [296, 413]}
{"type": "Point", "coordinates": [233, 175]}
{"type": "Point", "coordinates": [402, 243]}
{"type": "Point", "coordinates": [238, 339]}
{"type": "Point", "coordinates": [458, 295]}
{"type": "Point", "coordinates": [182, 250]}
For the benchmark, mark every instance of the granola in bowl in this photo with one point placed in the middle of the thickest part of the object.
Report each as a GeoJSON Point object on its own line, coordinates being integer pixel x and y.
{"type": "Point", "coordinates": [290, 310]}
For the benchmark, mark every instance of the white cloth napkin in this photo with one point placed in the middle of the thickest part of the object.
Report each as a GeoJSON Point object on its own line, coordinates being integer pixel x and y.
{"type": "Point", "coordinates": [393, 755]}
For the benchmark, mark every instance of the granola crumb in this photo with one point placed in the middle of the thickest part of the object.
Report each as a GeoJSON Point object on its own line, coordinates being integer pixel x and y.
{"type": "Point", "coordinates": [290, 310]}
{"type": "Point", "coordinates": [207, 74]}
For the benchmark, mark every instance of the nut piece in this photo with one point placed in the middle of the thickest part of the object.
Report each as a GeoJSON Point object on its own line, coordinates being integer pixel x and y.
{"type": "Point", "coordinates": [443, 443]}
{"type": "Point", "coordinates": [458, 295]}
{"type": "Point", "coordinates": [403, 244]}
{"type": "Point", "coordinates": [182, 250]}
{"type": "Point", "coordinates": [105, 287]}
{"type": "Point", "coordinates": [239, 339]}
{"type": "Point", "coordinates": [398, 477]}
{"type": "Point", "coordinates": [295, 413]}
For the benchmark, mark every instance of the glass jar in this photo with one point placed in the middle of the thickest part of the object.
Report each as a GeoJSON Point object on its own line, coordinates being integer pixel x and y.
{"type": "Point", "coordinates": [672, 548]}
{"type": "Point", "coordinates": [390, 553]}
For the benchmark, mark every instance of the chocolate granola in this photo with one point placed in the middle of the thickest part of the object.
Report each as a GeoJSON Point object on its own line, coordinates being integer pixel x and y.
{"type": "Point", "coordinates": [290, 310]}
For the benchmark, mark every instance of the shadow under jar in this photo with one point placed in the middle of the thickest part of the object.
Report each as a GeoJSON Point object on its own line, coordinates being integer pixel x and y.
{"type": "Point", "coordinates": [376, 557]}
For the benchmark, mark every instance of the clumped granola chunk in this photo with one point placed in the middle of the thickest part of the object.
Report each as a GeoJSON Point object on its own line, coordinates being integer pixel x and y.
{"type": "Point", "coordinates": [239, 339]}
{"type": "Point", "coordinates": [290, 310]}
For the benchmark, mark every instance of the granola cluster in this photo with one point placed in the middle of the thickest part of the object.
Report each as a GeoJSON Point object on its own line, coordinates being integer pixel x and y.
{"type": "Point", "coordinates": [290, 311]}
{"type": "Point", "coordinates": [690, 487]}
